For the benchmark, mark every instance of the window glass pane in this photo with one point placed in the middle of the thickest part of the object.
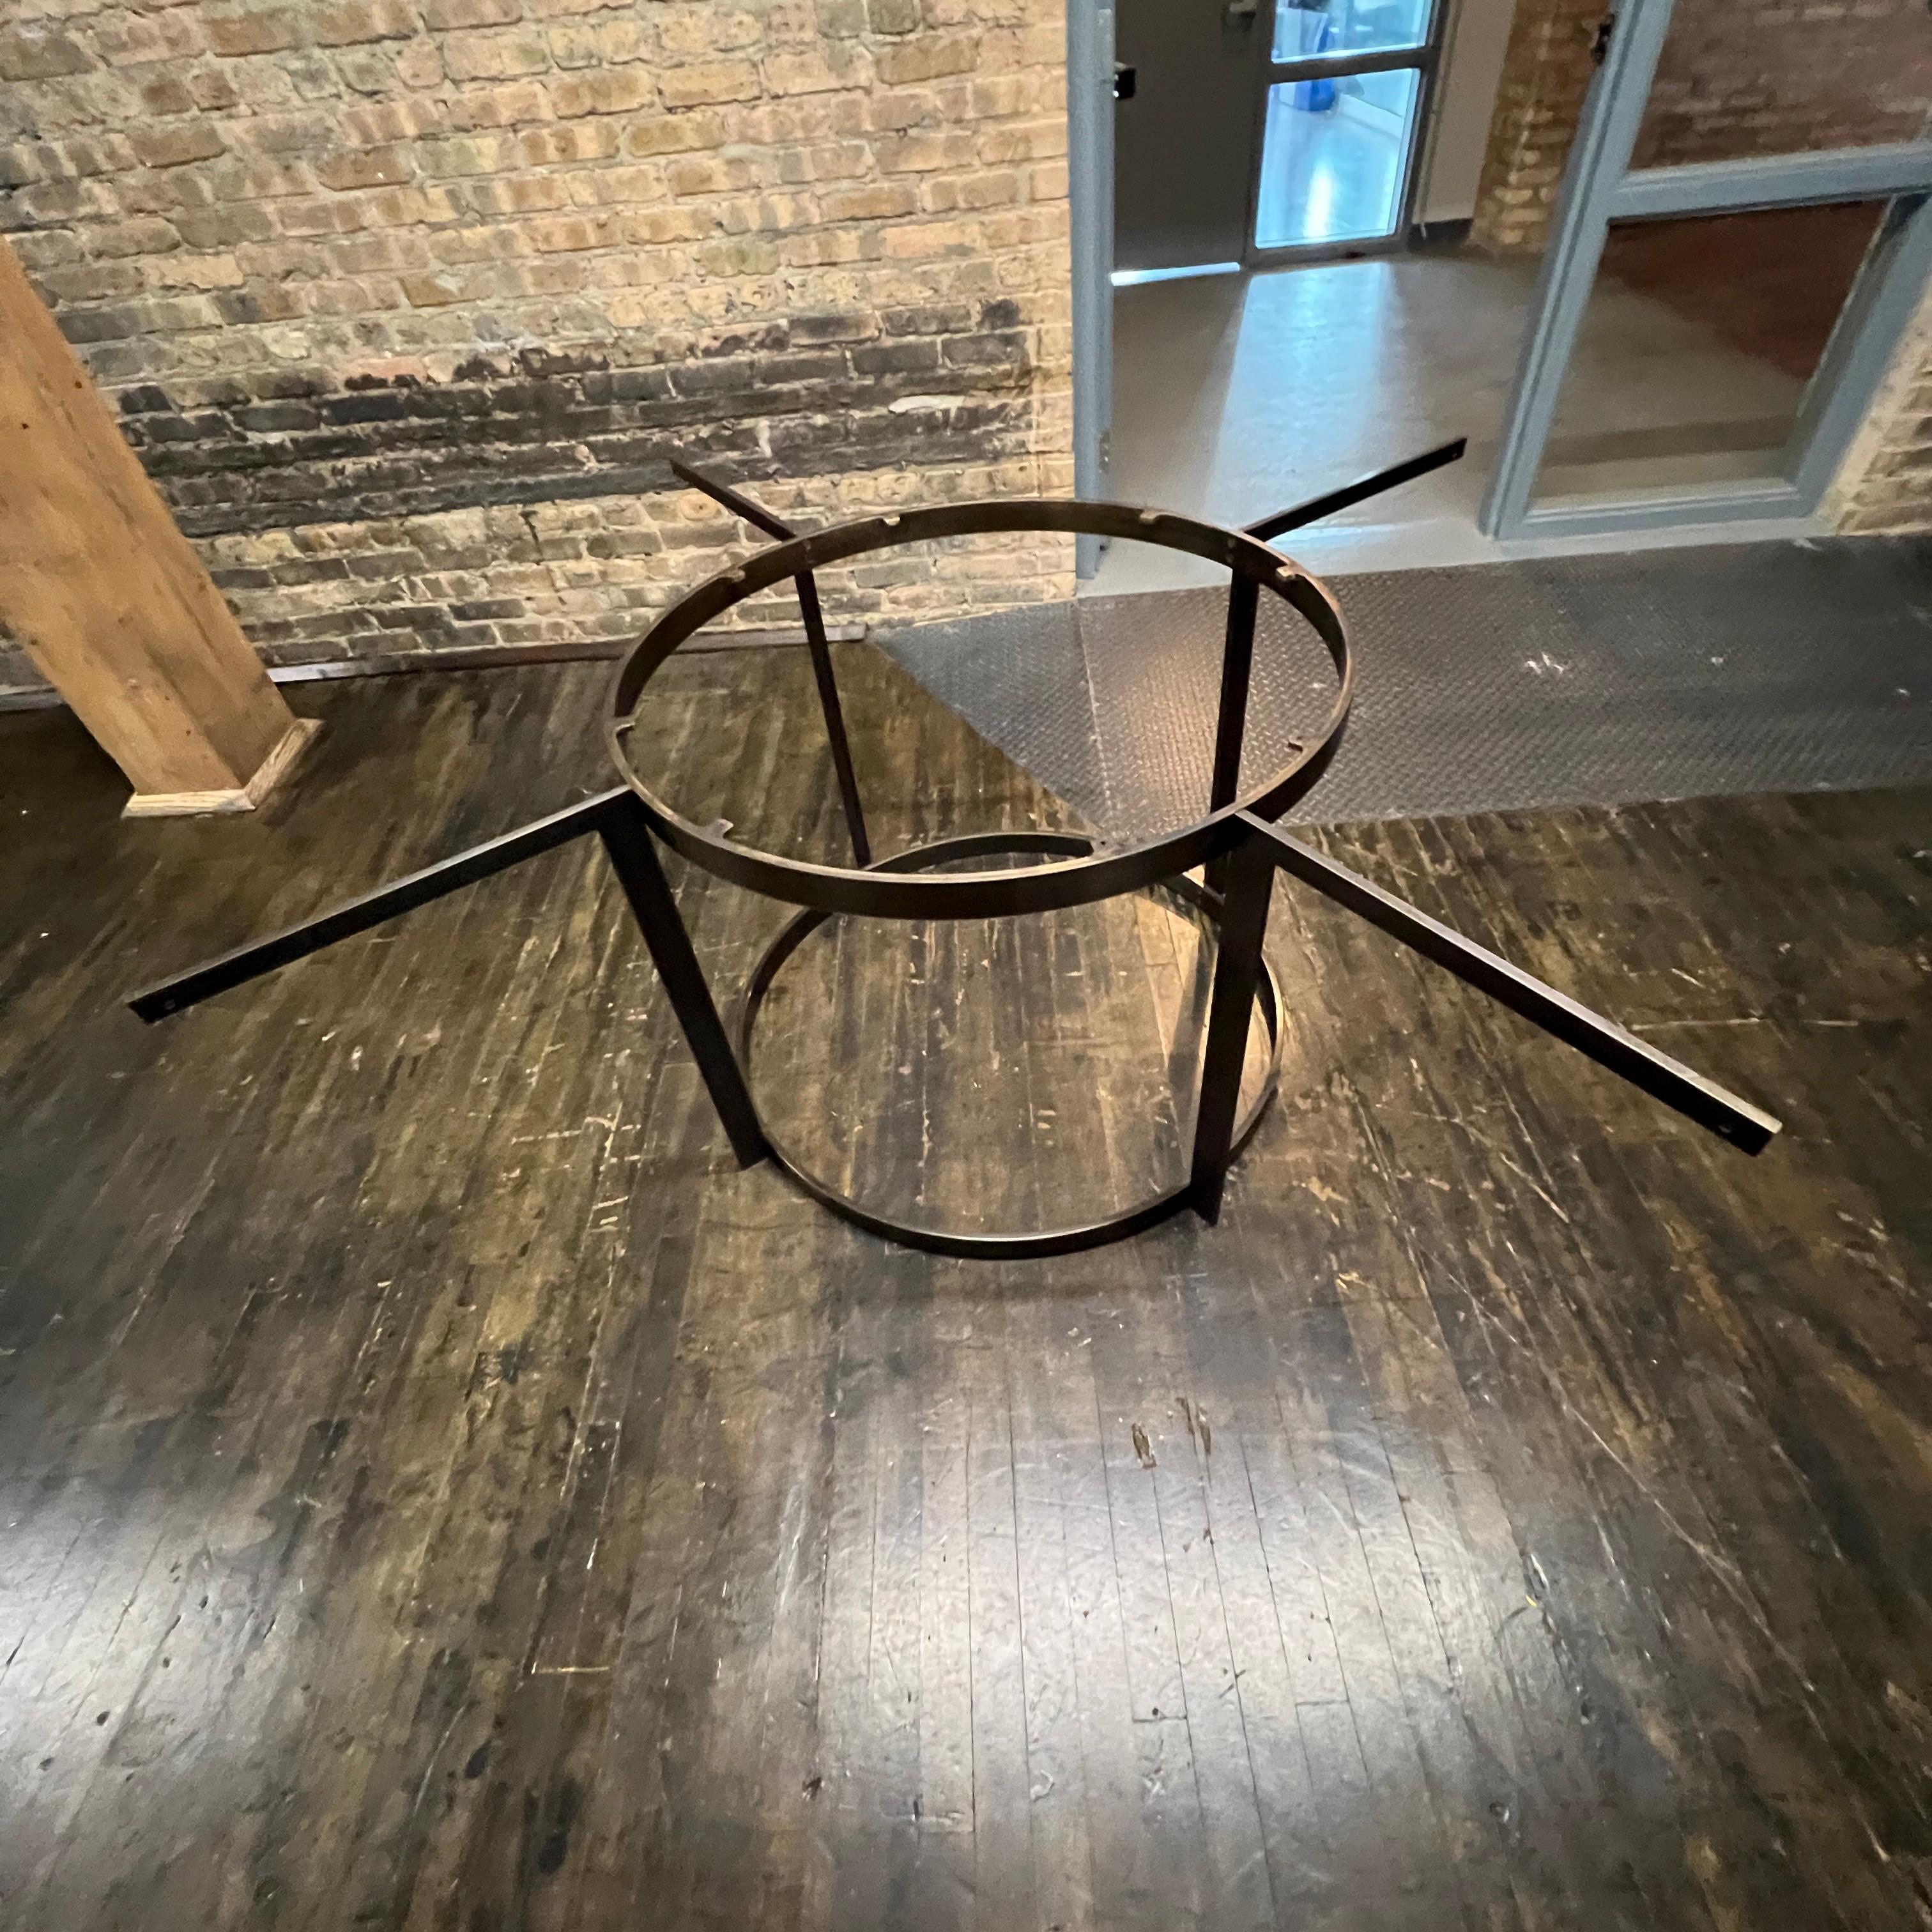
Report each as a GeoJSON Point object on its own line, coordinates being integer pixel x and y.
{"type": "Point", "coordinates": [1699, 340]}
{"type": "Point", "coordinates": [1348, 27]}
{"type": "Point", "coordinates": [1735, 81]}
{"type": "Point", "coordinates": [1333, 157]}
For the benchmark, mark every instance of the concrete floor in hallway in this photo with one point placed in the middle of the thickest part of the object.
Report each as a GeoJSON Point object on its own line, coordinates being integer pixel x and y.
{"type": "Point", "coordinates": [1234, 395]}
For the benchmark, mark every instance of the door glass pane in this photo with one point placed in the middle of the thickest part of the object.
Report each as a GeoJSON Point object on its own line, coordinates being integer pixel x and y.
{"type": "Point", "coordinates": [1334, 156]}
{"type": "Point", "coordinates": [1735, 81]}
{"type": "Point", "coordinates": [1698, 341]}
{"type": "Point", "coordinates": [1302, 31]}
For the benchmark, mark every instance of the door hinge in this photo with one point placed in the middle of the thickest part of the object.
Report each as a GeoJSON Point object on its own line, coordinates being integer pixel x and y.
{"type": "Point", "coordinates": [1126, 80]}
{"type": "Point", "coordinates": [1600, 41]}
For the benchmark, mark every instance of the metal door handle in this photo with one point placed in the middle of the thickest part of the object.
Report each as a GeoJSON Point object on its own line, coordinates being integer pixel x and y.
{"type": "Point", "coordinates": [1243, 10]}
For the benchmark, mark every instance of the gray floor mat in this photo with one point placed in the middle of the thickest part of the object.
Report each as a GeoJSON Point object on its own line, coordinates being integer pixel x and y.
{"type": "Point", "coordinates": [1587, 680]}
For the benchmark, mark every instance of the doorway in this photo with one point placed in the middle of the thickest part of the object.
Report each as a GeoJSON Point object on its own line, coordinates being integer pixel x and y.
{"type": "Point", "coordinates": [1330, 343]}
{"type": "Point", "coordinates": [1748, 202]}
{"type": "Point", "coordinates": [1255, 134]}
{"type": "Point", "coordinates": [1743, 225]}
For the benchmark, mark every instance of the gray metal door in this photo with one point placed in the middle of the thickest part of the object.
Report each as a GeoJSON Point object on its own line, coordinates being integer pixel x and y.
{"type": "Point", "coordinates": [1184, 139]}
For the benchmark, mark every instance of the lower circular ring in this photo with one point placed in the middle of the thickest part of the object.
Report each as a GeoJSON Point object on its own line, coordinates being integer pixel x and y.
{"type": "Point", "coordinates": [1067, 1240]}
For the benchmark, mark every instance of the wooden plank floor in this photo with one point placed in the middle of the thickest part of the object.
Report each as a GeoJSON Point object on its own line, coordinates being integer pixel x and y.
{"type": "Point", "coordinates": [438, 1489]}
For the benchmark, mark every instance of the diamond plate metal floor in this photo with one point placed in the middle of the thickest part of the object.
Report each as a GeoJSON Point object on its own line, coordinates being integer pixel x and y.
{"type": "Point", "coordinates": [1582, 680]}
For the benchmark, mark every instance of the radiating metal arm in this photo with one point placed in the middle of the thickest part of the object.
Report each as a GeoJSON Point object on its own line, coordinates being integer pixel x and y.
{"type": "Point", "coordinates": [343, 922]}
{"type": "Point", "coordinates": [760, 518]}
{"type": "Point", "coordinates": [618, 819]}
{"type": "Point", "coordinates": [742, 507]}
{"type": "Point", "coordinates": [1248, 871]}
{"type": "Point", "coordinates": [1267, 528]}
{"type": "Point", "coordinates": [1670, 1081]}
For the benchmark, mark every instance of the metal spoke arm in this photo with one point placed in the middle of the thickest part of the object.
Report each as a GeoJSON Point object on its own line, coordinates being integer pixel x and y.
{"type": "Point", "coordinates": [741, 506]}
{"type": "Point", "coordinates": [618, 819]}
{"type": "Point", "coordinates": [760, 518]}
{"type": "Point", "coordinates": [343, 922]}
{"type": "Point", "coordinates": [1678, 1087]}
{"type": "Point", "coordinates": [1267, 528]}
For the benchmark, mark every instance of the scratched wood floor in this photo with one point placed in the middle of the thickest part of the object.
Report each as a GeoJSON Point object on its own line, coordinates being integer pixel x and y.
{"type": "Point", "coordinates": [438, 1489]}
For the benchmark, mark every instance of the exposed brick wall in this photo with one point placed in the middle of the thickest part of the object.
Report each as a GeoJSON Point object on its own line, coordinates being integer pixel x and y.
{"type": "Point", "coordinates": [404, 300]}
{"type": "Point", "coordinates": [1735, 78]}
{"type": "Point", "coordinates": [1771, 77]}
{"type": "Point", "coordinates": [1547, 72]}
{"type": "Point", "coordinates": [1885, 480]}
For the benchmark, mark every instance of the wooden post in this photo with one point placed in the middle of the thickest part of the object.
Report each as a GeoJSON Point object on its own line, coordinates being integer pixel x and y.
{"type": "Point", "coordinates": [108, 597]}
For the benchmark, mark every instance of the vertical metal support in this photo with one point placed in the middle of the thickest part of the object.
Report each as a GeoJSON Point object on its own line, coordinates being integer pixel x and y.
{"type": "Point", "coordinates": [760, 518]}
{"type": "Point", "coordinates": [1237, 658]}
{"type": "Point", "coordinates": [835, 714]}
{"type": "Point", "coordinates": [633, 854]}
{"type": "Point", "coordinates": [1249, 873]}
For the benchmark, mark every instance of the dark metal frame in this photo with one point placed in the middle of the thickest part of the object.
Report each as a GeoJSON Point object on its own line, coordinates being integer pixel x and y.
{"type": "Point", "coordinates": [1265, 993]}
{"type": "Point", "coordinates": [1238, 842]}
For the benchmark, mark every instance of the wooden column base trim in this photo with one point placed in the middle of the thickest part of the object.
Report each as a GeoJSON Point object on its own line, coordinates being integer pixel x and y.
{"type": "Point", "coordinates": [268, 774]}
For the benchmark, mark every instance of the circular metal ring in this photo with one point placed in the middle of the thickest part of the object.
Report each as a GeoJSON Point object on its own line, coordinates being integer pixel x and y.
{"type": "Point", "coordinates": [878, 892]}
{"type": "Point", "coordinates": [1065, 1240]}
